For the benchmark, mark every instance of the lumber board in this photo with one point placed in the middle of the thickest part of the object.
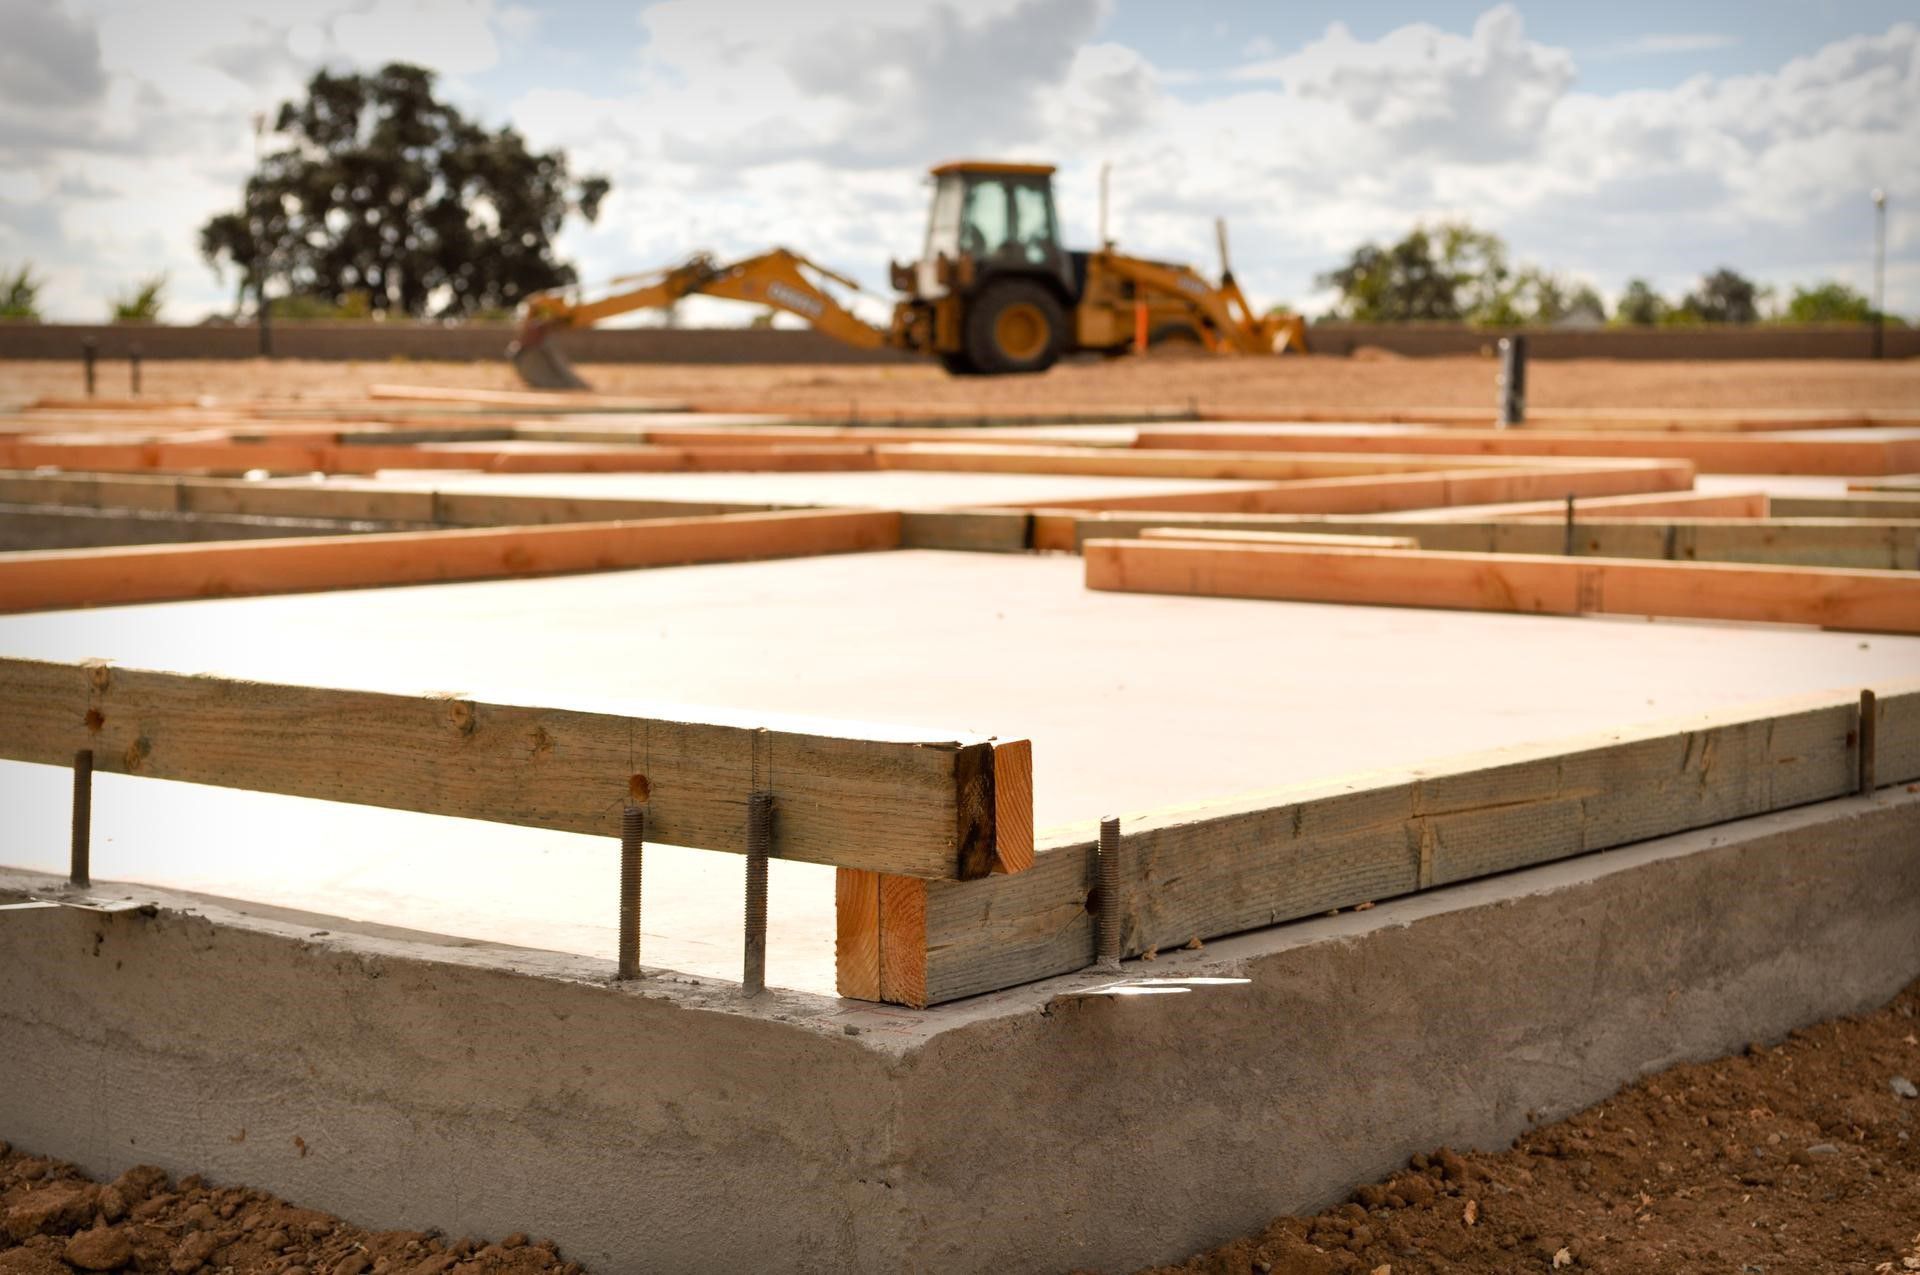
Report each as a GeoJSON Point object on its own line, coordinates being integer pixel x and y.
{"type": "Point", "coordinates": [906, 802]}
{"type": "Point", "coordinates": [1838, 598]}
{"type": "Point", "coordinates": [1208, 871]}
{"type": "Point", "coordinates": [58, 578]}
{"type": "Point", "coordinates": [1336, 540]}
{"type": "Point", "coordinates": [977, 531]}
{"type": "Point", "coordinates": [1890, 545]}
{"type": "Point", "coordinates": [1693, 504]}
{"type": "Point", "coordinates": [35, 527]}
{"type": "Point", "coordinates": [1711, 453]}
{"type": "Point", "coordinates": [1856, 504]}
{"type": "Point", "coordinates": [1222, 465]}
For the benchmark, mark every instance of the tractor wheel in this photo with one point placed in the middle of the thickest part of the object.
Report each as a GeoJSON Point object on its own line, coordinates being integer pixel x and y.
{"type": "Point", "coordinates": [1016, 326]}
{"type": "Point", "coordinates": [1177, 339]}
{"type": "Point", "coordinates": [958, 364]}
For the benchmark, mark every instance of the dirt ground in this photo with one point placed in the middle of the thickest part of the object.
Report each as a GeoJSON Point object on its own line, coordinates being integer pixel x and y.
{"type": "Point", "coordinates": [53, 1220]}
{"type": "Point", "coordinates": [1802, 1158]}
{"type": "Point", "coordinates": [1318, 384]}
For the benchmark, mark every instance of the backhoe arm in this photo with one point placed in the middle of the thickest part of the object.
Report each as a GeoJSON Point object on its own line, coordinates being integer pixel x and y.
{"type": "Point", "coordinates": [779, 278]}
{"type": "Point", "coordinates": [1243, 331]}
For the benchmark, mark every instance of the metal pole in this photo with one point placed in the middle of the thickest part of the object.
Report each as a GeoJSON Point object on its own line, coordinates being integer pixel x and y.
{"type": "Point", "coordinates": [89, 349]}
{"type": "Point", "coordinates": [1513, 380]}
{"type": "Point", "coordinates": [1567, 548]}
{"type": "Point", "coordinates": [1107, 930]}
{"type": "Point", "coordinates": [1869, 728]}
{"type": "Point", "coordinates": [1879, 273]}
{"type": "Point", "coordinates": [133, 367]}
{"type": "Point", "coordinates": [266, 325]}
{"type": "Point", "coordinates": [753, 978]}
{"type": "Point", "coordinates": [80, 868]}
{"type": "Point", "coordinates": [633, 837]}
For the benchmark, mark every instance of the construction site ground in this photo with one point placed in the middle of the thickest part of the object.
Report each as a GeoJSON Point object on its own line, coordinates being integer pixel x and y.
{"type": "Point", "coordinates": [1798, 1156]}
{"type": "Point", "coordinates": [1314, 383]}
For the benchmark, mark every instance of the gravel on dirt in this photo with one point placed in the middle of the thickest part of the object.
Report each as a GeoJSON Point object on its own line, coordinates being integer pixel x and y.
{"type": "Point", "coordinates": [1792, 1159]}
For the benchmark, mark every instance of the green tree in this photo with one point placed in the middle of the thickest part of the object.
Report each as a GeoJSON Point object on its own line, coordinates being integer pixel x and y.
{"type": "Point", "coordinates": [1640, 305]}
{"type": "Point", "coordinates": [1830, 302]}
{"type": "Point", "coordinates": [20, 295]}
{"type": "Point", "coordinates": [143, 303]}
{"type": "Point", "coordinates": [383, 189]}
{"type": "Point", "coordinates": [1725, 296]}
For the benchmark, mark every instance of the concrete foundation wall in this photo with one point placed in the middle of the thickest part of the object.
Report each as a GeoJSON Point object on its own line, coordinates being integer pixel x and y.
{"type": "Point", "coordinates": [341, 340]}
{"type": "Point", "coordinates": [405, 1081]}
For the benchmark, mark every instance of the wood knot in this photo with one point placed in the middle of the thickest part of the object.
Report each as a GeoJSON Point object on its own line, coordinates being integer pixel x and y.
{"type": "Point", "coordinates": [461, 715]}
{"type": "Point", "coordinates": [95, 720]}
{"type": "Point", "coordinates": [99, 674]}
{"type": "Point", "coordinates": [540, 742]}
{"type": "Point", "coordinates": [137, 753]}
{"type": "Point", "coordinates": [638, 788]}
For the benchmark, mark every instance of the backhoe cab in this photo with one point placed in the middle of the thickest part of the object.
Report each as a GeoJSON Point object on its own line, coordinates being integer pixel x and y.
{"type": "Point", "coordinates": [993, 292]}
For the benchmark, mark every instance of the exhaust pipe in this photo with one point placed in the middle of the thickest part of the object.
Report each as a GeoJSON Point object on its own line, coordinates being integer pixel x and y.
{"type": "Point", "coordinates": [540, 364]}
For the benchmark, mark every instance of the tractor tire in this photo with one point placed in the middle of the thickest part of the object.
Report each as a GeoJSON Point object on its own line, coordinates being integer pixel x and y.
{"type": "Point", "coordinates": [1016, 326]}
{"type": "Point", "coordinates": [958, 364]}
{"type": "Point", "coordinates": [1176, 339]}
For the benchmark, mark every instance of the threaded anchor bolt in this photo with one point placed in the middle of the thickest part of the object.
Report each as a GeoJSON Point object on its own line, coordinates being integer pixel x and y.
{"type": "Point", "coordinates": [1869, 729]}
{"type": "Point", "coordinates": [633, 839]}
{"type": "Point", "coordinates": [80, 866]}
{"type": "Point", "coordinates": [753, 977]}
{"type": "Point", "coordinates": [1107, 929]}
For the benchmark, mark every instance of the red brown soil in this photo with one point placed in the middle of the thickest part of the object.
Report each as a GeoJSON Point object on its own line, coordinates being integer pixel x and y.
{"type": "Point", "coordinates": [53, 1221]}
{"type": "Point", "coordinates": [1799, 1158]}
{"type": "Point", "coordinates": [1222, 385]}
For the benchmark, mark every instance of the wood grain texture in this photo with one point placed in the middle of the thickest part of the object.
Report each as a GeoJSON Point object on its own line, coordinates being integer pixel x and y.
{"type": "Point", "coordinates": [1013, 805]}
{"type": "Point", "coordinates": [856, 943]}
{"type": "Point", "coordinates": [95, 577]}
{"type": "Point", "coordinates": [903, 940]}
{"type": "Point", "coordinates": [1296, 852]}
{"type": "Point", "coordinates": [1837, 598]}
{"type": "Point", "coordinates": [892, 804]}
{"type": "Point", "coordinates": [1331, 540]}
{"type": "Point", "coordinates": [982, 531]}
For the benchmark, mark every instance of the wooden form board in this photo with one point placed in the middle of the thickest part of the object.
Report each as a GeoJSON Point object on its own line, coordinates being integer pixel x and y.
{"type": "Point", "coordinates": [1696, 504]}
{"type": "Point", "coordinates": [1664, 420]}
{"type": "Point", "coordinates": [340, 499]}
{"type": "Point", "coordinates": [1858, 504]}
{"type": "Point", "coordinates": [906, 802]}
{"type": "Point", "coordinates": [1836, 598]}
{"type": "Point", "coordinates": [1333, 540]}
{"type": "Point", "coordinates": [60, 578]}
{"type": "Point", "coordinates": [1711, 453]}
{"type": "Point", "coordinates": [1886, 545]}
{"type": "Point", "coordinates": [1054, 524]}
{"type": "Point", "coordinates": [1297, 852]}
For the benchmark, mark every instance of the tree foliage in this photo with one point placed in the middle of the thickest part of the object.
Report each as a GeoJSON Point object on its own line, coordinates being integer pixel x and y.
{"type": "Point", "coordinates": [381, 189]}
{"type": "Point", "coordinates": [1725, 296]}
{"type": "Point", "coordinates": [1829, 302]}
{"type": "Point", "coordinates": [20, 294]}
{"type": "Point", "coordinates": [143, 303]}
{"type": "Point", "coordinates": [1640, 305]}
{"type": "Point", "coordinates": [1455, 272]}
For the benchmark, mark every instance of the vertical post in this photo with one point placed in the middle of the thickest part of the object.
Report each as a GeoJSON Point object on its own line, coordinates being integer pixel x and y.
{"type": "Point", "coordinates": [1869, 728]}
{"type": "Point", "coordinates": [133, 368]}
{"type": "Point", "coordinates": [1879, 273]}
{"type": "Point", "coordinates": [633, 836]}
{"type": "Point", "coordinates": [1139, 327]}
{"type": "Point", "coordinates": [1513, 380]}
{"type": "Point", "coordinates": [1107, 930]}
{"type": "Point", "coordinates": [80, 867]}
{"type": "Point", "coordinates": [89, 350]}
{"type": "Point", "coordinates": [753, 977]}
{"type": "Point", "coordinates": [1567, 547]}
{"type": "Point", "coordinates": [266, 324]}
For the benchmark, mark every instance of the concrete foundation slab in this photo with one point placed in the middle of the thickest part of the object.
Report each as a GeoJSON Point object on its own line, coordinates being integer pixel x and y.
{"type": "Point", "coordinates": [403, 1080]}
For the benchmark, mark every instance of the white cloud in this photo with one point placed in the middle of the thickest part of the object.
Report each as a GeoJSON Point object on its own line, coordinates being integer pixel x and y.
{"type": "Point", "coordinates": [1675, 42]}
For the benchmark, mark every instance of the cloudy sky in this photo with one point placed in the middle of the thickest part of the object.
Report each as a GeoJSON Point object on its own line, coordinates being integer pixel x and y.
{"type": "Point", "coordinates": [1602, 140]}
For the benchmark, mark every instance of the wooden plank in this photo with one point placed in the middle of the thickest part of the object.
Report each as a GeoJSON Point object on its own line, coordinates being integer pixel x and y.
{"type": "Point", "coordinates": [856, 942]}
{"type": "Point", "coordinates": [1711, 453]}
{"type": "Point", "coordinates": [976, 531]}
{"type": "Point", "coordinates": [903, 939]}
{"type": "Point", "coordinates": [96, 577]}
{"type": "Point", "coordinates": [1219, 465]}
{"type": "Point", "coordinates": [1013, 805]}
{"type": "Point", "coordinates": [1685, 504]}
{"type": "Point", "coordinates": [1858, 504]}
{"type": "Point", "coordinates": [37, 527]}
{"type": "Point", "coordinates": [1884, 545]}
{"type": "Point", "coordinates": [1861, 600]}
{"type": "Point", "coordinates": [1308, 538]}
{"type": "Point", "coordinates": [1296, 852]}
{"type": "Point", "coordinates": [901, 802]}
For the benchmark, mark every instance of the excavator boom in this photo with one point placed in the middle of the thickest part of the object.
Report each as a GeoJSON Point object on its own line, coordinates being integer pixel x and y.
{"type": "Point", "coordinates": [782, 279]}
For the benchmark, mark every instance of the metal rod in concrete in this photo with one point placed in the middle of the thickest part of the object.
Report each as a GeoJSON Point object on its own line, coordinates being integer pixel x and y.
{"type": "Point", "coordinates": [1869, 729]}
{"type": "Point", "coordinates": [89, 350]}
{"type": "Point", "coordinates": [133, 368]}
{"type": "Point", "coordinates": [633, 836]}
{"type": "Point", "coordinates": [80, 868]}
{"type": "Point", "coordinates": [753, 977]}
{"type": "Point", "coordinates": [1513, 380]}
{"type": "Point", "coordinates": [1107, 931]}
{"type": "Point", "coordinates": [1567, 549]}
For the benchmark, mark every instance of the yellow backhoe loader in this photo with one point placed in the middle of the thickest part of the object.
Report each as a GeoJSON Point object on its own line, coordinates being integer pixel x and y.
{"type": "Point", "coordinates": [993, 292]}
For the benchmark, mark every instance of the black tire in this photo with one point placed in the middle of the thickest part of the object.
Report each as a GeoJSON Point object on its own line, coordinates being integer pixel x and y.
{"type": "Point", "coordinates": [958, 365]}
{"type": "Point", "coordinates": [1176, 338]}
{"type": "Point", "coordinates": [1023, 309]}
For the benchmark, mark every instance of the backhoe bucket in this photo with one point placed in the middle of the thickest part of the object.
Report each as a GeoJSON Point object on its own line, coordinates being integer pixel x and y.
{"type": "Point", "coordinates": [541, 365]}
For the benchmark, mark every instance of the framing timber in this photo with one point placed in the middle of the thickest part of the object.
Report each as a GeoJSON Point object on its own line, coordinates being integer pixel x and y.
{"type": "Point", "coordinates": [1859, 504]}
{"type": "Point", "coordinates": [1204, 872]}
{"type": "Point", "coordinates": [1836, 598]}
{"type": "Point", "coordinates": [1329, 540]}
{"type": "Point", "coordinates": [1890, 545]}
{"type": "Point", "coordinates": [60, 578]}
{"type": "Point", "coordinates": [1896, 452]}
{"type": "Point", "coordinates": [915, 803]}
